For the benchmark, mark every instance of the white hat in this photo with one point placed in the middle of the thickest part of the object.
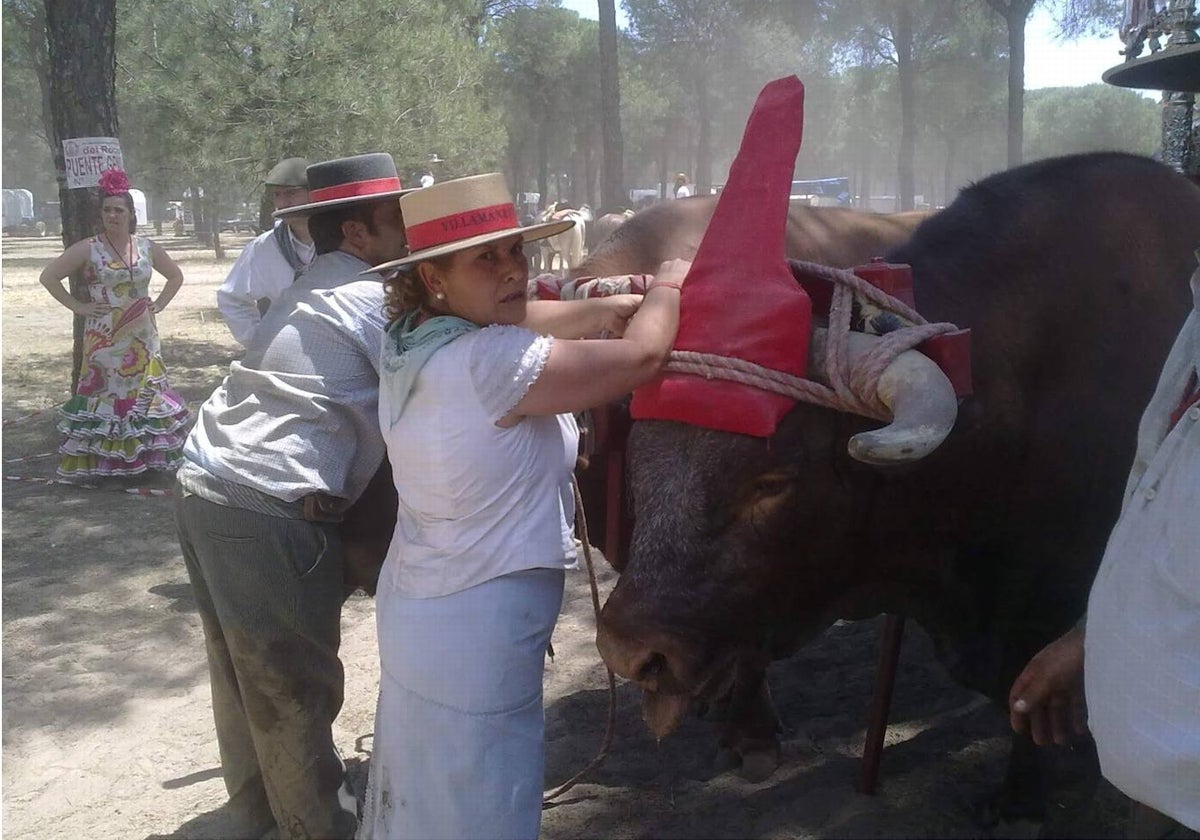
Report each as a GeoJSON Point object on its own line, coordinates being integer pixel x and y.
{"type": "Point", "coordinates": [453, 215]}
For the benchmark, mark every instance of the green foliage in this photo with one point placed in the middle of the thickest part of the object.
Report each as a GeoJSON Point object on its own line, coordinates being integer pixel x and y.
{"type": "Point", "coordinates": [1092, 118]}
{"type": "Point", "coordinates": [26, 151]}
{"type": "Point", "coordinates": [1075, 18]}
{"type": "Point", "coordinates": [212, 92]}
{"type": "Point", "coordinates": [314, 79]}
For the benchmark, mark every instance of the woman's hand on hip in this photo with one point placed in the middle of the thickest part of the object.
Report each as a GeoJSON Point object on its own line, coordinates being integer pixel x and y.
{"type": "Point", "coordinates": [91, 310]}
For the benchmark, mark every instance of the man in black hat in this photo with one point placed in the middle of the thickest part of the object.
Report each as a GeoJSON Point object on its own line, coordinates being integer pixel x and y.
{"type": "Point", "coordinates": [269, 263]}
{"type": "Point", "coordinates": [280, 450]}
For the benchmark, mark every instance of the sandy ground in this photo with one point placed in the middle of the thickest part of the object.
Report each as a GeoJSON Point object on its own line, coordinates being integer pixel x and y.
{"type": "Point", "coordinates": [107, 727]}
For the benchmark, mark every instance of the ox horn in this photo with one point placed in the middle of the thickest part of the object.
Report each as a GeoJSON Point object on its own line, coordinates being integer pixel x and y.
{"type": "Point", "coordinates": [920, 397]}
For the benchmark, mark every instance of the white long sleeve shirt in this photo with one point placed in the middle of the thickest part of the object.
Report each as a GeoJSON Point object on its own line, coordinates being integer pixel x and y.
{"type": "Point", "coordinates": [260, 271]}
{"type": "Point", "coordinates": [1142, 645]}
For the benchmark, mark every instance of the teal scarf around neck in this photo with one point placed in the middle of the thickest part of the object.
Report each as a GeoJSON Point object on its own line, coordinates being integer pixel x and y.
{"type": "Point", "coordinates": [406, 349]}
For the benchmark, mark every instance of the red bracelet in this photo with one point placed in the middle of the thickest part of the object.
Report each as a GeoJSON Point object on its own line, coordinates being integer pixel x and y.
{"type": "Point", "coordinates": [665, 283]}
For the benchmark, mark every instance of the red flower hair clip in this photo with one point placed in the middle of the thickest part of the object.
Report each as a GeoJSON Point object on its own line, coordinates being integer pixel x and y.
{"type": "Point", "coordinates": [114, 182]}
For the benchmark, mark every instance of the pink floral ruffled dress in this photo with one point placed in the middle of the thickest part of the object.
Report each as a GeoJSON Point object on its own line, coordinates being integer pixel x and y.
{"type": "Point", "coordinates": [124, 418]}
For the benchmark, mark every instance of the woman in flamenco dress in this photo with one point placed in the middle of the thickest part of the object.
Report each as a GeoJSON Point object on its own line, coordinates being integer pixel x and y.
{"type": "Point", "coordinates": [123, 418]}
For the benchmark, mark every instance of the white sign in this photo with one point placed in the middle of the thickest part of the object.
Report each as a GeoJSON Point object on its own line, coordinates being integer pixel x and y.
{"type": "Point", "coordinates": [86, 157]}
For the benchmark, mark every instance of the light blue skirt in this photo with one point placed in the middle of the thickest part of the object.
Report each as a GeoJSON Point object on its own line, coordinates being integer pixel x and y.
{"type": "Point", "coordinates": [458, 748]}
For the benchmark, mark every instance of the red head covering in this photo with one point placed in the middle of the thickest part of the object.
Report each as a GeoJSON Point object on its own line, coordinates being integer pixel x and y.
{"type": "Point", "coordinates": [114, 182]}
{"type": "Point", "coordinates": [740, 299]}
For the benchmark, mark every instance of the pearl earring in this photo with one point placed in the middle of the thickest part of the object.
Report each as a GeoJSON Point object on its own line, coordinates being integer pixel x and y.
{"type": "Point", "coordinates": [440, 296]}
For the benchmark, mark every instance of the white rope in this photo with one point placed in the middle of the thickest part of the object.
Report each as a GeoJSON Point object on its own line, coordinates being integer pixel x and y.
{"type": "Point", "coordinates": [853, 384]}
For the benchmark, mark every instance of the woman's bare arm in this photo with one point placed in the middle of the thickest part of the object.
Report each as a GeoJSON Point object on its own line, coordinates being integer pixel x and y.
{"type": "Point", "coordinates": [582, 374]}
{"type": "Point", "coordinates": [64, 265]}
{"type": "Point", "coordinates": [168, 268]}
{"type": "Point", "coordinates": [581, 318]}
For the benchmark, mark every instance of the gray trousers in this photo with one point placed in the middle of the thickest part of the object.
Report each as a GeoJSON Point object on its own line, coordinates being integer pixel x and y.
{"type": "Point", "coordinates": [269, 593]}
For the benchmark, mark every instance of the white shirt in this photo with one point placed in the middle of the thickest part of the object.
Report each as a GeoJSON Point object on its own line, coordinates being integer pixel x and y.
{"type": "Point", "coordinates": [260, 271]}
{"type": "Point", "coordinates": [298, 413]}
{"type": "Point", "coordinates": [1142, 643]}
{"type": "Point", "coordinates": [683, 191]}
{"type": "Point", "coordinates": [477, 501]}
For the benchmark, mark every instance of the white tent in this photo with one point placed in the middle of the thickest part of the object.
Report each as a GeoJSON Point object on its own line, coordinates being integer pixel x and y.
{"type": "Point", "coordinates": [18, 208]}
{"type": "Point", "coordinates": [139, 206]}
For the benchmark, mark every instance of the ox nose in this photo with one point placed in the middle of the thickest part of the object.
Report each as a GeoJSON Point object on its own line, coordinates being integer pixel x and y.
{"type": "Point", "coordinates": [632, 659]}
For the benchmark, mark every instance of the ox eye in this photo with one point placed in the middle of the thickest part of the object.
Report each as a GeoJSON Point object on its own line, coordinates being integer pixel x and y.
{"type": "Point", "coordinates": [764, 498]}
{"type": "Point", "coordinates": [772, 484]}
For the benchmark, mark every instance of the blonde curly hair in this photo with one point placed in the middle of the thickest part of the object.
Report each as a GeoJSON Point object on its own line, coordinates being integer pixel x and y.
{"type": "Point", "coordinates": [403, 290]}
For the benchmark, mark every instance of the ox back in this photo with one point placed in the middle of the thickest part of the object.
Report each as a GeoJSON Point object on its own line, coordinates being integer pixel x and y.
{"type": "Point", "coordinates": [1073, 276]}
{"type": "Point", "coordinates": [673, 229]}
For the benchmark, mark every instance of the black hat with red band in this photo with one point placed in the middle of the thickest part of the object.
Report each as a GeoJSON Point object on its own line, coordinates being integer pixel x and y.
{"type": "Point", "coordinates": [334, 183]}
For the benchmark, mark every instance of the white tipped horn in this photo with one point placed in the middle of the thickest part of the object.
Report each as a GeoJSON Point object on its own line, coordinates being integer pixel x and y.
{"type": "Point", "coordinates": [920, 397]}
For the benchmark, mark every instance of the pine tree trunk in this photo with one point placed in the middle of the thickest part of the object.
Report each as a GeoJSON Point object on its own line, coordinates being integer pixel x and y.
{"type": "Point", "coordinates": [908, 118]}
{"type": "Point", "coordinates": [612, 191]}
{"type": "Point", "coordinates": [81, 48]}
{"type": "Point", "coordinates": [266, 206]}
{"type": "Point", "coordinates": [664, 183]}
{"type": "Point", "coordinates": [214, 227]}
{"type": "Point", "coordinates": [543, 164]}
{"type": "Point", "coordinates": [1016, 82]}
{"type": "Point", "coordinates": [948, 170]}
{"type": "Point", "coordinates": [1015, 14]}
{"type": "Point", "coordinates": [702, 182]}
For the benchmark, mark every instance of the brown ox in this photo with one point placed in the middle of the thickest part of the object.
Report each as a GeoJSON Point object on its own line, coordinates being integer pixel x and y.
{"type": "Point", "coordinates": [1073, 276]}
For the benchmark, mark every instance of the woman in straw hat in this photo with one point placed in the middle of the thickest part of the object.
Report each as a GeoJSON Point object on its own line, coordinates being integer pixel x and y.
{"type": "Point", "coordinates": [476, 393]}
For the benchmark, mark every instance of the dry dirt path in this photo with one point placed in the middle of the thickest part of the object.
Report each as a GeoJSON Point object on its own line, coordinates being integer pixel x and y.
{"type": "Point", "coordinates": [107, 726]}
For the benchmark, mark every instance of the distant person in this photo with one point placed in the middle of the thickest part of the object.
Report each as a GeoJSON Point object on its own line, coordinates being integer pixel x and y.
{"type": "Point", "coordinates": [683, 187]}
{"type": "Point", "coordinates": [123, 418]}
{"type": "Point", "coordinates": [269, 263]}
{"type": "Point", "coordinates": [279, 454]}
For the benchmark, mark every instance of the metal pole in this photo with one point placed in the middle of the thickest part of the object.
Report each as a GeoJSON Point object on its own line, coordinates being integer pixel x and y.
{"type": "Point", "coordinates": [1178, 109]}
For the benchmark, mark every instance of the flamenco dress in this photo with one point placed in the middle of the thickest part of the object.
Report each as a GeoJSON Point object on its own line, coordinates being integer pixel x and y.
{"type": "Point", "coordinates": [124, 419]}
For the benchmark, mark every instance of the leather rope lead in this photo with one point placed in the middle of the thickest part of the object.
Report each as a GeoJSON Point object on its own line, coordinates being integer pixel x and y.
{"type": "Point", "coordinates": [610, 726]}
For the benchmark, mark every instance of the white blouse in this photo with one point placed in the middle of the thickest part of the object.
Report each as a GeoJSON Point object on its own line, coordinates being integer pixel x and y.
{"type": "Point", "coordinates": [478, 501]}
{"type": "Point", "coordinates": [1142, 644]}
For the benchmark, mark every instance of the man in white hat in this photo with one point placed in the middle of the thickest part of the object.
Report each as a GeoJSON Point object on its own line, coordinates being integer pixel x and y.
{"type": "Point", "coordinates": [270, 262]}
{"type": "Point", "coordinates": [280, 451]}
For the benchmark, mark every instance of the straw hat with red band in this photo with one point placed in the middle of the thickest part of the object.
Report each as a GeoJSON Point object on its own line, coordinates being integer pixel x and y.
{"type": "Point", "coordinates": [463, 213]}
{"type": "Point", "coordinates": [334, 183]}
